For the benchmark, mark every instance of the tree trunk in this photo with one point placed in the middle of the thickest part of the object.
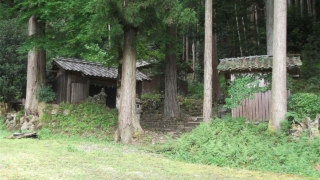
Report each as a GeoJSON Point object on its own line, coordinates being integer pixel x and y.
{"type": "Point", "coordinates": [302, 8]}
{"type": "Point", "coordinates": [36, 70]}
{"type": "Point", "coordinates": [269, 25]}
{"type": "Point", "coordinates": [127, 120]}
{"type": "Point", "coordinates": [207, 97]}
{"type": "Point", "coordinates": [238, 29]}
{"type": "Point", "coordinates": [171, 105]}
{"type": "Point", "coordinates": [296, 7]}
{"type": "Point", "coordinates": [309, 5]}
{"type": "Point", "coordinates": [187, 49]}
{"type": "Point", "coordinates": [314, 9]}
{"type": "Point", "coordinates": [289, 3]}
{"type": "Point", "coordinates": [109, 35]}
{"type": "Point", "coordinates": [256, 25]}
{"type": "Point", "coordinates": [215, 74]}
{"type": "Point", "coordinates": [279, 70]}
{"type": "Point", "coordinates": [183, 45]}
{"type": "Point", "coordinates": [120, 53]}
{"type": "Point", "coordinates": [193, 59]}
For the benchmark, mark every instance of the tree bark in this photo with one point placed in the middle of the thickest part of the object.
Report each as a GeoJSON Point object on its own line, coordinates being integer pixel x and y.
{"type": "Point", "coordinates": [36, 70]}
{"type": "Point", "coordinates": [302, 8]}
{"type": "Point", "coordinates": [183, 45]}
{"type": "Point", "coordinates": [193, 60]}
{"type": "Point", "coordinates": [207, 97]}
{"type": "Point", "coordinates": [309, 5]}
{"type": "Point", "coordinates": [171, 105]}
{"type": "Point", "coordinates": [120, 53]}
{"type": "Point", "coordinates": [256, 24]}
{"type": "Point", "coordinates": [238, 29]}
{"type": "Point", "coordinates": [215, 74]}
{"type": "Point", "coordinates": [279, 70]}
{"type": "Point", "coordinates": [187, 49]}
{"type": "Point", "coordinates": [314, 9]}
{"type": "Point", "coordinates": [269, 25]}
{"type": "Point", "coordinates": [296, 7]}
{"type": "Point", "coordinates": [127, 120]}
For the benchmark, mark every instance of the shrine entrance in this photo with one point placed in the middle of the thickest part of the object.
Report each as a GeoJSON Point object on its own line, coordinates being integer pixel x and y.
{"type": "Point", "coordinates": [110, 91]}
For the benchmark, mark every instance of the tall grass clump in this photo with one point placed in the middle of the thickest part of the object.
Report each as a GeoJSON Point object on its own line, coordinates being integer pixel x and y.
{"type": "Point", "coordinates": [233, 143]}
{"type": "Point", "coordinates": [86, 119]}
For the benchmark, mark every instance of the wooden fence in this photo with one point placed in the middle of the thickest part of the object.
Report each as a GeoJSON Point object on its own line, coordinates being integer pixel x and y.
{"type": "Point", "coordinates": [257, 109]}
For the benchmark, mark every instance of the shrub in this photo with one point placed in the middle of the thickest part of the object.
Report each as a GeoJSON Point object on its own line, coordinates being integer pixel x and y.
{"type": "Point", "coordinates": [233, 143]}
{"type": "Point", "coordinates": [86, 119]}
{"type": "Point", "coordinates": [303, 105]}
{"type": "Point", "coordinates": [195, 90]}
{"type": "Point", "coordinates": [2, 122]}
{"type": "Point", "coordinates": [243, 87]}
{"type": "Point", "coordinates": [46, 94]}
{"type": "Point", "coordinates": [151, 96]}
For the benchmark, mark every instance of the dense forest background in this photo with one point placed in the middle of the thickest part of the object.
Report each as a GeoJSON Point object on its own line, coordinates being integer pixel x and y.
{"type": "Point", "coordinates": [82, 29]}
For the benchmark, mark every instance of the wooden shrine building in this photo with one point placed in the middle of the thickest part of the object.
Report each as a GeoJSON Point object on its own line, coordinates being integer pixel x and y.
{"type": "Point", "coordinates": [75, 80]}
{"type": "Point", "coordinates": [256, 109]}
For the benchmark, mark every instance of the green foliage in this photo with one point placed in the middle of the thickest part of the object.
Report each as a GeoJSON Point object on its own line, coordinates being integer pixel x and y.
{"type": "Point", "coordinates": [303, 105]}
{"type": "Point", "coordinates": [155, 98]}
{"type": "Point", "coordinates": [311, 54]}
{"type": "Point", "coordinates": [86, 119]}
{"type": "Point", "coordinates": [2, 122]}
{"type": "Point", "coordinates": [195, 90]}
{"type": "Point", "coordinates": [243, 87]}
{"type": "Point", "coordinates": [152, 97]}
{"type": "Point", "coordinates": [12, 64]}
{"type": "Point", "coordinates": [46, 94]}
{"type": "Point", "coordinates": [233, 143]}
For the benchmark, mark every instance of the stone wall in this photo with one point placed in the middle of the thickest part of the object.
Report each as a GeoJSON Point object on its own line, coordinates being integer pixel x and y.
{"type": "Point", "coordinates": [155, 121]}
{"type": "Point", "coordinates": [152, 117]}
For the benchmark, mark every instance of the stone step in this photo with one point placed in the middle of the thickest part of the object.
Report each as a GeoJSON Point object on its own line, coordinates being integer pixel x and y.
{"type": "Point", "coordinates": [191, 123]}
{"type": "Point", "coordinates": [168, 130]}
{"type": "Point", "coordinates": [197, 119]}
{"type": "Point", "coordinates": [188, 129]}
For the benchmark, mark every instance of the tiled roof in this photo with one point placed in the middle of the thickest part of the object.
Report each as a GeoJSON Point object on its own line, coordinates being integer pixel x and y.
{"type": "Point", "coordinates": [92, 68]}
{"type": "Point", "coordinates": [254, 63]}
{"type": "Point", "coordinates": [142, 63]}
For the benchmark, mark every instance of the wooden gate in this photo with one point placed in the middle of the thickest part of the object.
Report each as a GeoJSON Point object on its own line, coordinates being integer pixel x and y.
{"type": "Point", "coordinates": [256, 109]}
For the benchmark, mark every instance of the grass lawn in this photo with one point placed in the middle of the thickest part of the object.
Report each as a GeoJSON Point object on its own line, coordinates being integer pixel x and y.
{"type": "Point", "coordinates": [74, 158]}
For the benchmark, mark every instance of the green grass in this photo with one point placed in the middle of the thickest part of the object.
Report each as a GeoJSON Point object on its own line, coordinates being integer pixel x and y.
{"type": "Point", "coordinates": [69, 158]}
{"type": "Point", "coordinates": [233, 143]}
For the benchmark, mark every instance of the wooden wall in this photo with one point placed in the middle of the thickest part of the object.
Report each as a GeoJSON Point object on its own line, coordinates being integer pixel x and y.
{"type": "Point", "coordinates": [78, 87]}
{"type": "Point", "coordinates": [257, 109]}
{"type": "Point", "coordinates": [71, 87]}
{"type": "Point", "coordinates": [60, 87]}
{"type": "Point", "coordinates": [153, 85]}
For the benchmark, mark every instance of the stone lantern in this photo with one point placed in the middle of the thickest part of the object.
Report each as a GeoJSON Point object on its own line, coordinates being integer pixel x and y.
{"type": "Point", "coordinates": [138, 107]}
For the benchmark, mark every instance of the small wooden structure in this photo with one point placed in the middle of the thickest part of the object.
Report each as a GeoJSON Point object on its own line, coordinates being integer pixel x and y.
{"type": "Point", "coordinates": [75, 80]}
{"type": "Point", "coordinates": [256, 109]}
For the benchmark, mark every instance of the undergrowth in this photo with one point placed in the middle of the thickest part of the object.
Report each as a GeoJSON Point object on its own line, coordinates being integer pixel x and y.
{"type": "Point", "coordinates": [86, 120]}
{"type": "Point", "coordinates": [233, 143]}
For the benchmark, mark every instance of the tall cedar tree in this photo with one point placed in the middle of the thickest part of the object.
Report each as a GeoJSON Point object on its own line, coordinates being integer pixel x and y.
{"type": "Point", "coordinates": [269, 25]}
{"type": "Point", "coordinates": [135, 17]}
{"type": "Point", "coordinates": [207, 98]}
{"type": "Point", "coordinates": [171, 106]}
{"type": "Point", "coordinates": [279, 70]}
{"type": "Point", "coordinates": [36, 69]}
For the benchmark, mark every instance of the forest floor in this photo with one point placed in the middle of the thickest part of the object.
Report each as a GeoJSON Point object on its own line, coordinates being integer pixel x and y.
{"type": "Point", "coordinates": [75, 158]}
